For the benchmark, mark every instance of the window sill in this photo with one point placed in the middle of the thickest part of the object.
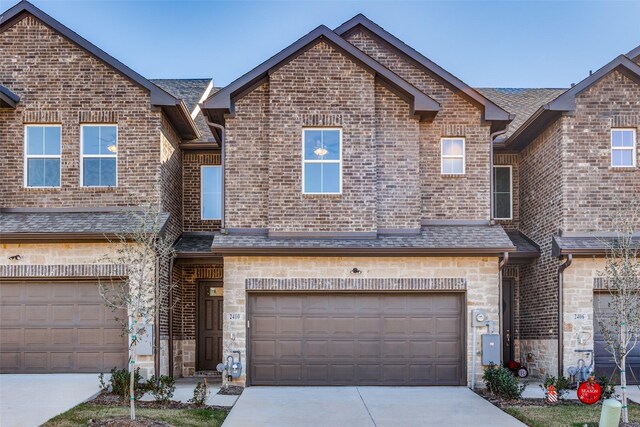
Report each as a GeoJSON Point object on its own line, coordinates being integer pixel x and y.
{"type": "Point", "coordinates": [623, 168]}
{"type": "Point", "coordinates": [99, 189]}
{"type": "Point", "coordinates": [453, 175]}
{"type": "Point", "coordinates": [322, 196]}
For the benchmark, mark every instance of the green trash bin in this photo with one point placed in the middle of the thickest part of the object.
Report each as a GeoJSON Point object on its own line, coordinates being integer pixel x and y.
{"type": "Point", "coordinates": [611, 411]}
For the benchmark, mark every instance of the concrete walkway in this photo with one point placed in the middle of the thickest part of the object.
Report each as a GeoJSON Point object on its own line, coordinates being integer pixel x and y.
{"type": "Point", "coordinates": [365, 407]}
{"type": "Point", "coordinates": [30, 400]}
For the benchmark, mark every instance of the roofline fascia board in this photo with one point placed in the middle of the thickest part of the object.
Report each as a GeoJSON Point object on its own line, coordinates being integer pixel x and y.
{"type": "Point", "coordinates": [223, 100]}
{"type": "Point", "coordinates": [8, 97]}
{"type": "Point", "coordinates": [158, 97]}
{"type": "Point", "coordinates": [492, 111]}
{"type": "Point", "coordinates": [351, 251]}
{"type": "Point", "coordinates": [57, 237]}
{"type": "Point", "coordinates": [634, 53]}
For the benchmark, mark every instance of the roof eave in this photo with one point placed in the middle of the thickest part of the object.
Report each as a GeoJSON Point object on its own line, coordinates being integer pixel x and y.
{"type": "Point", "coordinates": [8, 99]}
{"type": "Point", "coordinates": [317, 251]}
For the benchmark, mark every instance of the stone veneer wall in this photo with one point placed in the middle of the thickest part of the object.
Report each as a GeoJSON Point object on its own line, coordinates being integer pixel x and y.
{"type": "Point", "coordinates": [539, 355]}
{"type": "Point", "coordinates": [481, 276]}
{"type": "Point", "coordinates": [59, 260]}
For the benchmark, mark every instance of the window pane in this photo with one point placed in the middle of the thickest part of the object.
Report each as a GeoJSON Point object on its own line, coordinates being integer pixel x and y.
{"type": "Point", "coordinates": [330, 177]}
{"type": "Point", "coordinates": [452, 166]}
{"type": "Point", "coordinates": [90, 139]}
{"type": "Point", "coordinates": [35, 138]}
{"type": "Point", "coordinates": [52, 172]}
{"type": "Point", "coordinates": [91, 172]}
{"type": "Point", "coordinates": [502, 181]}
{"type": "Point", "coordinates": [331, 142]}
{"type": "Point", "coordinates": [108, 172]}
{"type": "Point", "coordinates": [313, 145]}
{"type": "Point", "coordinates": [52, 140]}
{"type": "Point", "coordinates": [35, 173]}
{"type": "Point", "coordinates": [211, 206]}
{"type": "Point", "coordinates": [502, 205]}
{"type": "Point", "coordinates": [452, 147]}
{"type": "Point", "coordinates": [108, 140]}
{"type": "Point", "coordinates": [622, 138]}
{"type": "Point", "coordinates": [627, 138]}
{"type": "Point", "coordinates": [211, 179]}
{"type": "Point", "coordinates": [211, 182]}
{"type": "Point", "coordinates": [312, 178]}
{"type": "Point", "coordinates": [622, 157]}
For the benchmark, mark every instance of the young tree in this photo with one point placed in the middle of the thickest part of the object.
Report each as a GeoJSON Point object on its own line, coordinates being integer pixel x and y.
{"type": "Point", "coordinates": [139, 249]}
{"type": "Point", "coordinates": [620, 320]}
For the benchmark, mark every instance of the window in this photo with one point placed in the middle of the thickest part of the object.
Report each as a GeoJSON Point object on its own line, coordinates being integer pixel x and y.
{"type": "Point", "coordinates": [322, 161]}
{"type": "Point", "coordinates": [452, 156]}
{"type": "Point", "coordinates": [211, 192]}
{"type": "Point", "coordinates": [99, 153]}
{"type": "Point", "coordinates": [623, 148]}
{"type": "Point", "coordinates": [42, 155]}
{"type": "Point", "coordinates": [502, 192]}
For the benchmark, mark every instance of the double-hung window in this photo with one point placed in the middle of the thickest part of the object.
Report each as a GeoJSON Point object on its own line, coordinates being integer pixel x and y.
{"type": "Point", "coordinates": [452, 152]}
{"type": "Point", "coordinates": [99, 155]}
{"type": "Point", "coordinates": [322, 161]}
{"type": "Point", "coordinates": [623, 148]}
{"type": "Point", "coordinates": [211, 192]}
{"type": "Point", "coordinates": [502, 192]}
{"type": "Point", "coordinates": [42, 156]}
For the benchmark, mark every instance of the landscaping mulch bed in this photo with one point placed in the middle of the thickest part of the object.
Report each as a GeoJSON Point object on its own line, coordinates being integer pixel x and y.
{"type": "Point", "coordinates": [232, 390]}
{"type": "Point", "coordinates": [502, 403]}
{"type": "Point", "coordinates": [126, 422]}
{"type": "Point", "coordinates": [110, 399]}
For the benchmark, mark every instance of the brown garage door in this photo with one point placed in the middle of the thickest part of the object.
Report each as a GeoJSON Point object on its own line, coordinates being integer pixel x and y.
{"type": "Point", "coordinates": [603, 359]}
{"type": "Point", "coordinates": [357, 339]}
{"type": "Point", "coordinates": [58, 327]}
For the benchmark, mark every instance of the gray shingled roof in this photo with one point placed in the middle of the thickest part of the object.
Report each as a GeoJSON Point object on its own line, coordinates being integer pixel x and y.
{"type": "Point", "coordinates": [586, 245]}
{"type": "Point", "coordinates": [522, 102]}
{"type": "Point", "coordinates": [524, 246]}
{"type": "Point", "coordinates": [49, 223]}
{"type": "Point", "coordinates": [190, 244]}
{"type": "Point", "coordinates": [431, 239]}
{"type": "Point", "coordinates": [190, 91]}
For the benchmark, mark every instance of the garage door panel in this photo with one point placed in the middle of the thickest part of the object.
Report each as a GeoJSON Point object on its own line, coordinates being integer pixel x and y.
{"type": "Point", "coordinates": [51, 325]}
{"type": "Point", "coordinates": [350, 339]}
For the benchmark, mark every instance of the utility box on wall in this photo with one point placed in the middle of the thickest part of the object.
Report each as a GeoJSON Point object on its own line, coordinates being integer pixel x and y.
{"type": "Point", "coordinates": [491, 349]}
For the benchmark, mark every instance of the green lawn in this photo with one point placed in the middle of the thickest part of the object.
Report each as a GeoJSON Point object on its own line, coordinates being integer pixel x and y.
{"type": "Point", "coordinates": [81, 414]}
{"type": "Point", "coordinates": [564, 416]}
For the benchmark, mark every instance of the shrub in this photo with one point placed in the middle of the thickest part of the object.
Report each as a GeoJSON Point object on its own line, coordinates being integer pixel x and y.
{"type": "Point", "coordinates": [608, 386]}
{"type": "Point", "coordinates": [162, 388]}
{"type": "Point", "coordinates": [501, 382]}
{"type": "Point", "coordinates": [200, 394]}
{"type": "Point", "coordinates": [119, 383]}
{"type": "Point", "coordinates": [561, 384]}
{"type": "Point", "coordinates": [104, 386]}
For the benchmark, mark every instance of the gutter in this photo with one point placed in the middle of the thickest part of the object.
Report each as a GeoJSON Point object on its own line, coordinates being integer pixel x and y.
{"type": "Point", "coordinates": [222, 144]}
{"type": "Point", "coordinates": [492, 138]}
{"type": "Point", "coordinates": [561, 270]}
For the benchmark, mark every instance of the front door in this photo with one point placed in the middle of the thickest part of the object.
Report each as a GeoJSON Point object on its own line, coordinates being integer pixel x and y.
{"type": "Point", "coordinates": [209, 342]}
{"type": "Point", "coordinates": [507, 319]}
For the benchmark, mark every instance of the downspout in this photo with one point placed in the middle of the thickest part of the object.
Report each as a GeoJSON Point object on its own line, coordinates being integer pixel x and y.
{"type": "Point", "coordinates": [492, 138]}
{"type": "Point", "coordinates": [170, 349]}
{"type": "Point", "coordinates": [501, 266]}
{"type": "Point", "coordinates": [156, 329]}
{"type": "Point", "coordinates": [222, 141]}
{"type": "Point", "coordinates": [561, 270]}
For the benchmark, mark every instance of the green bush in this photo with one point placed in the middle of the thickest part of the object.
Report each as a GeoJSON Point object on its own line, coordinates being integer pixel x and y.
{"type": "Point", "coordinates": [561, 384]}
{"type": "Point", "coordinates": [200, 394]}
{"type": "Point", "coordinates": [119, 383]}
{"type": "Point", "coordinates": [501, 382]}
{"type": "Point", "coordinates": [162, 388]}
{"type": "Point", "coordinates": [608, 386]}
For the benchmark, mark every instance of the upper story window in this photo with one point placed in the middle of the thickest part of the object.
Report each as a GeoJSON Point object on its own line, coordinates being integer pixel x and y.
{"type": "Point", "coordinates": [623, 148]}
{"type": "Point", "coordinates": [452, 162]}
{"type": "Point", "coordinates": [211, 192]}
{"type": "Point", "coordinates": [502, 192]}
{"type": "Point", "coordinates": [99, 155]}
{"type": "Point", "coordinates": [42, 155]}
{"type": "Point", "coordinates": [322, 161]}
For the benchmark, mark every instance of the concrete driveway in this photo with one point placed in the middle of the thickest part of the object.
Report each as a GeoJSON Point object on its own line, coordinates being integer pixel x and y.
{"type": "Point", "coordinates": [365, 407]}
{"type": "Point", "coordinates": [30, 400]}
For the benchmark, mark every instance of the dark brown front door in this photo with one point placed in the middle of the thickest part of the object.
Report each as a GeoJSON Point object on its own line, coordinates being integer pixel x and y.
{"type": "Point", "coordinates": [507, 319]}
{"type": "Point", "coordinates": [209, 344]}
{"type": "Point", "coordinates": [357, 339]}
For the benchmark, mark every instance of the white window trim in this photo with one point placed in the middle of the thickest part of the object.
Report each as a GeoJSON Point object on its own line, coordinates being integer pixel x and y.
{"type": "Point", "coordinates": [40, 156]}
{"type": "Point", "coordinates": [97, 156]}
{"type": "Point", "coordinates": [457, 156]}
{"type": "Point", "coordinates": [202, 217]}
{"type": "Point", "coordinates": [510, 192]}
{"type": "Point", "coordinates": [633, 149]}
{"type": "Point", "coordinates": [338, 162]}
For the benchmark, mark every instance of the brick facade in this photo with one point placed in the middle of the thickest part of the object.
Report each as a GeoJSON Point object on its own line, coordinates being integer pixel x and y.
{"type": "Point", "coordinates": [191, 179]}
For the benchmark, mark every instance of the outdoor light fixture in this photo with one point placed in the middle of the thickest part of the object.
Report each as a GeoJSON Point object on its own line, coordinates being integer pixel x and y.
{"type": "Point", "coordinates": [320, 151]}
{"type": "Point", "coordinates": [356, 271]}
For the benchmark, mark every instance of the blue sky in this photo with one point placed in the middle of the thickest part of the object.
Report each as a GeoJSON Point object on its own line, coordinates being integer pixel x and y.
{"type": "Point", "coordinates": [485, 43]}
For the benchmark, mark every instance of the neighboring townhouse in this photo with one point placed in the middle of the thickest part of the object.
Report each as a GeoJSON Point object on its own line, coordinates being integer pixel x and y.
{"type": "Point", "coordinates": [83, 140]}
{"type": "Point", "coordinates": [338, 212]}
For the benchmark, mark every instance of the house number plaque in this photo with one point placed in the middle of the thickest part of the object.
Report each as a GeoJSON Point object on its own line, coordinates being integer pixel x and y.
{"type": "Point", "coordinates": [235, 316]}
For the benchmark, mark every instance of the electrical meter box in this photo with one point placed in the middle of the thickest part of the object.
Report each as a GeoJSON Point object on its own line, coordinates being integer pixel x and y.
{"type": "Point", "coordinates": [491, 349]}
